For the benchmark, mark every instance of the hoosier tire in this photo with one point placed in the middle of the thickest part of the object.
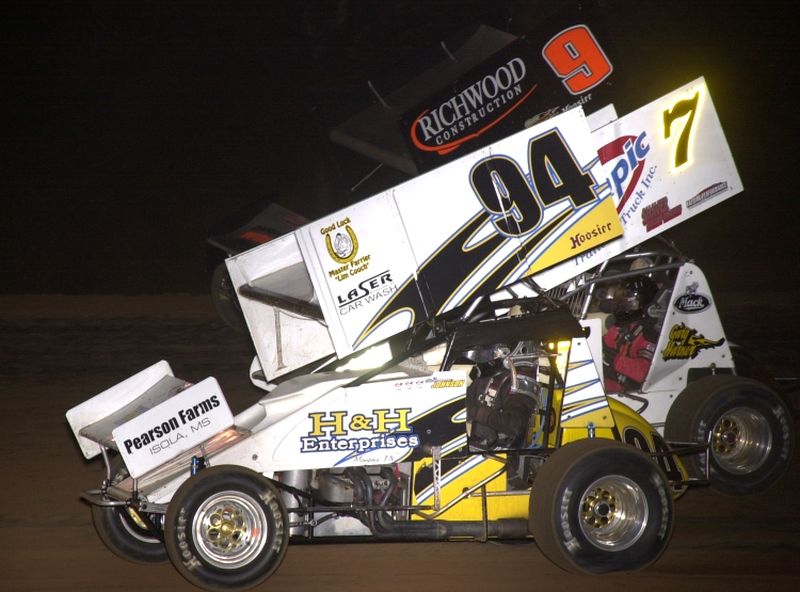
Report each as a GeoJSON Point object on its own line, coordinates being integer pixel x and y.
{"type": "Point", "coordinates": [601, 506]}
{"type": "Point", "coordinates": [226, 529]}
{"type": "Point", "coordinates": [122, 530]}
{"type": "Point", "coordinates": [747, 425]}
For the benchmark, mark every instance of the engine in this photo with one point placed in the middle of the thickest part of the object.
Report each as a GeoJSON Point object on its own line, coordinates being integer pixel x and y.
{"type": "Point", "coordinates": [352, 487]}
{"type": "Point", "coordinates": [504, 397]}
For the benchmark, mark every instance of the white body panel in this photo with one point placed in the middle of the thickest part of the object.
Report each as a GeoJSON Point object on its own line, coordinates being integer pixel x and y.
{"type": "Point", "coordinates": [692, 339]}
{"type": "Point", "coordinates": [354, 262]}
{"type": "Point", "coordinates": [315, 422]}
{"type": "Point", "coordinates": [110, 400]}
{"type": "Point", "coordinates": [175, 426]}
{"type": "Point", "coordinates": [365, 425]}
{"type": "Point", "coordinates": [283, 340]}
{"type": "Point", "coordinates": [652, 194]}
{"type": "Point", "coordinates": [373, 268]}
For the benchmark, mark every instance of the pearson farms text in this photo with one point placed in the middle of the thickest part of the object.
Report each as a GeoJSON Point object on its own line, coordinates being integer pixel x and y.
{"type": "Point", "coordinates": [174, 423]}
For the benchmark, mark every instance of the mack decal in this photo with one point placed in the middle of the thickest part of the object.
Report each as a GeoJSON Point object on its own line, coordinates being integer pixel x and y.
{"type": "Point", "coordinates": [386, 428]}
{"type": "Point", "coordinates": [173, 424]}
{"type": "Point", "coordinates": [685, 343]}
{"type": "Point", "coordinates": [692, 301]}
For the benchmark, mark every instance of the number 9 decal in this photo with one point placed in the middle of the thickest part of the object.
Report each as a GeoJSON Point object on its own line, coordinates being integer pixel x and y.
{"type": "Point", "coordinates": [577, 58]}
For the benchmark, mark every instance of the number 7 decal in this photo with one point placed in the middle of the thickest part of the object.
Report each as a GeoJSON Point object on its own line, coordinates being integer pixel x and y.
{"type": "Point", "coordinates": [678, 110]}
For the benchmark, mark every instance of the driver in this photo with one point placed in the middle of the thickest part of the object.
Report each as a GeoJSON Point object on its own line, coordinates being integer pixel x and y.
{"type": "Point", "coordinates": [630, 342]}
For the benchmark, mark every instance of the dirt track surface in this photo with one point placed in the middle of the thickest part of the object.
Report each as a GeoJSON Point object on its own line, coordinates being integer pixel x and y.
{"type": "Point", "coordinates": [57, 352]}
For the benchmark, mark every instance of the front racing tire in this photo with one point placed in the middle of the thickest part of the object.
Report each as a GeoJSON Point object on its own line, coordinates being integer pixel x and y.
{"type": "Point", "coordinates": [226, 529]}
{"type": "Point", "coordinates": [123, 531]}
{"type": "Point", "coordinates": [601, 506]}
{"type": "Point", "coordinates": [747, 426]}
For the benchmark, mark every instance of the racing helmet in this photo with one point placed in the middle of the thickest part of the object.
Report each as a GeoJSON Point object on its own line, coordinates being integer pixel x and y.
{"type": "Point", "coordinates": [632, 297]}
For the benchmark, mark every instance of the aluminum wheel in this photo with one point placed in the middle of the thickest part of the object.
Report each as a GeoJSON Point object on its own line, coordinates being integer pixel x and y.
{"type": "Point", "coordinates": [746, 425]}
{"type": "Point", "coordinates": [599, 506]}
{"type": "Point", "coordinates": [230, 528]}
{"type": "Point", "coordinates": [613, 513]}
{"type": "Point", "coordinates": [741, 440]}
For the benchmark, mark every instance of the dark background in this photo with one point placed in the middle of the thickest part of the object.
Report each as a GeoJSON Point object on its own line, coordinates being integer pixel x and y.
{"type": "Point", "coordinates": [131, 129]}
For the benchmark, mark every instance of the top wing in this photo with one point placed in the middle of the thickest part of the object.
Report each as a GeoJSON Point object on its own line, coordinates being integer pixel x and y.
{"type": "Point", "coordinates": [549, 201]}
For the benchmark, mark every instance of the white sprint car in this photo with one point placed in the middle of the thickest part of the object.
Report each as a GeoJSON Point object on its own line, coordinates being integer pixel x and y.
{"type": "Point", "coordinates": [427, 376]}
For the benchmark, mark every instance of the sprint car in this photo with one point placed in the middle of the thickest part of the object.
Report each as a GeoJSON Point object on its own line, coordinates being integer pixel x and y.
{"type": "Point", "coordinates": [428, 378]}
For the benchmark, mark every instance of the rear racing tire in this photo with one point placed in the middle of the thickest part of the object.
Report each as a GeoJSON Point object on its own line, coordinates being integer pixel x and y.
{"type": "Point", "coordinates": [748, 426]}
{"type": "Point", "coordinates": [226, 529]}
{"type": "Point", "coordinates": [601, 506]}
{"type": "Point", "coordinates": [124, 532]}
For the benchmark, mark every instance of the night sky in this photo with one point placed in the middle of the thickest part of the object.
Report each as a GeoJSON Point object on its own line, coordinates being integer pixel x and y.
{"type": "Point", "coordinates": [131, 129]}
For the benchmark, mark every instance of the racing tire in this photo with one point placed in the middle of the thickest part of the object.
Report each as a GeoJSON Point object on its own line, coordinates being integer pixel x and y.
{"type": "Point", "coordinates": [122, 530]}
{"type": "Point", "coordinates": [747, 425]}
{"type": "Point", "coordinates": [600, 506]}
{"type": "Point", "coordinates": [226, 529]}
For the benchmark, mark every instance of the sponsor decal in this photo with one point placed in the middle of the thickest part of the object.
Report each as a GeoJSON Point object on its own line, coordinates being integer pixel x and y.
{"type": "Point", "coordinates": [185, 420]}
{"type": "Point", "coordinates": [579, 238]}
{"type": "Point", "coordinates": [685, 343]}
{"type": "Point", "coordinates": [472, 109]}
{"type": "Point", "coordinates": [629, 154]}
{"type": "Point", "coordinates": [692, 301]}
{"type": "Point", "coordinates": [341, 242]}
{"type": "Point", "coordinates": [343, 245]}
{"type": "Point", "coordinates": [339, 431]}
{"type": "Point", "coordinates": [367, 291]}
{"type": "Point", "coordinates": [448, 383]}
{"type": "Point", "coordinates": [707, 193]}
{"type": "Point", "coordinates": [659, 212]}
{"type": "Point", "coordinates": [543, 116]}
{"type": "Point", "coordinates": [168, 432]}
{"type": "Point", "coordinates": [429, 382]}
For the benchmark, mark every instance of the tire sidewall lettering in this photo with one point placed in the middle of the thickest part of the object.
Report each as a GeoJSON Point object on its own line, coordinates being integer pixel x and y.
{"type": "Point", "coordinates": [190, 560]}
{"type": "Point", "coordinates": [655, 489]}
{"type": "Point", "coordinates": [279, 528]}
{"type": "Point", "coordinates": [571, 543]}
{"type": "Point", "coordinates": [186, 552]}
{"type": "Point", "coordinates": [663, 529]}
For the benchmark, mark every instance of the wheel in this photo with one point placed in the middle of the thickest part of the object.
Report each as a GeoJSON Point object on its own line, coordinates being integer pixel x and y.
{"type": "Point", "coordinates": [124, 532]}
{"type": "Point", "coordinates": [600, 506]}
{"type": "Point", "coordinates": [747, 425]}
{"type": "Point", "coordinates": [226, 529]}
{"type": "Point", "coordinates": [225, 301]}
